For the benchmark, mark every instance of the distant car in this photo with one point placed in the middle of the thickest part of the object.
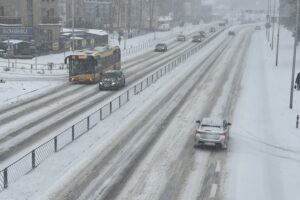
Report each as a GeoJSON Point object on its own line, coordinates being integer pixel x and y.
{"type": "Point", "coordinates": [162, 47]}
{"type": "Point", "coordinates": [257, 28]}
{"type": "Point", "coordinates": [181, 38]}
{"type": "Point", "coordinates": [212, 131]}
{"type": "Point", "coordinates": [202, 34]}
{"type": "Point", "coordinates": [113, 79]}
{"type": "Point", "coordinates": [232, 33]}
{"type": "Point", "coordinates": [212, 29]}
{"type": "Point", "coordinates": [164, 27]}
{"type": "Point", "coordinates": [197, 38]}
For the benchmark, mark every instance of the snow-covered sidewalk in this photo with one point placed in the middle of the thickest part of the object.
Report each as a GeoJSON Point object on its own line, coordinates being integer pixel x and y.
{"type": "Point", "coordinates": [264, 157]}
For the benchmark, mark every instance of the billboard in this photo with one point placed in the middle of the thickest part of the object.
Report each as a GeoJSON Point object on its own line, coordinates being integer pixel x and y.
{"type": "Point", "coordinates": [20, 33]}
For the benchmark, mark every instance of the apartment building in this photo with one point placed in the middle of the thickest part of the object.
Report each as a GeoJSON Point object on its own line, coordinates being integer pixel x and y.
{"type": "Point", "coordinates": [27, 20]}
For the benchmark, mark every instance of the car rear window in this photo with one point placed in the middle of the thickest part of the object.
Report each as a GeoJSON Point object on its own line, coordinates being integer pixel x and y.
{"type": "Point", "coordinates": [206, 127]}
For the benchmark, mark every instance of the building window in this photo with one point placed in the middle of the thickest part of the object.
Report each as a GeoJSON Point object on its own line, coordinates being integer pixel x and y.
{"type": "Point", "coordinates": [49, 35]}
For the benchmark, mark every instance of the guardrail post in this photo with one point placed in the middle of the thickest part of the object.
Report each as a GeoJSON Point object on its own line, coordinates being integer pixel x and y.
{"type": "Point", "coordinates": [161, 73]}
{"type": "Point", "coordinates": [33, 159]}
{"type": "Point", "coordinates": [55, 144]}
{"type": "Point", "coordinates": [134, 90]}
{"type": "Point", "coordinates": [127, 95]}
{"type": "Point", "coordinates": [5, 179]}
{"type": "Point", "coordinates": [152, 77]}
{"type": "Point", "coordinates": [100, 111]}
{"type": "Point", "coordinates": [110, 107]}
{"type": "Point", "coordinates": [165, 69]}
{"type": "Point", "coordinates": [88, 123]}
{"type": "Point", "coordinates": [147, 82]}
{"type": "Point", "coordinates": [73, 133]}
{"type": "Point", "coordinates": [120, 102]}
{"type": "Point", "coordinates": [142, 86]}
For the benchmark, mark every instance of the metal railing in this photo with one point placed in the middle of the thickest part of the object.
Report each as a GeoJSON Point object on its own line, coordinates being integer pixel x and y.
{"type": "Point", "coordinates": [32, 159]}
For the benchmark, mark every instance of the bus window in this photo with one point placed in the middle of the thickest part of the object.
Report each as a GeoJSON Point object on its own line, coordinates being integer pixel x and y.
{"type": "Point", "coordinates": [82, 66]}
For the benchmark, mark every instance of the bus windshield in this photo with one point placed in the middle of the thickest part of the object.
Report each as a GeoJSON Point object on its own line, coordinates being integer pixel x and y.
{"type": "Point", "coordinates": [78, 66]}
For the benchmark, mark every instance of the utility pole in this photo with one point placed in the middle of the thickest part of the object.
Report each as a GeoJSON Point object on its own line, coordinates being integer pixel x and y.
{"type": "Point", "coordinates": [141, 14]}
{"type": "Point", "coordinates": [269, 13]}
{"type": "Point", "coordinates": [294, 56]}
{"type": "Point", "coordinates": [73, 46]}
{"type": "Point", "coordinates": [273, 21]}
{"type": "Point", "coordinates": [8, 52]}
{"type": "Point", "coordinates": [129, 16]}
{"type": "Point", "coordinates": [278, 31]}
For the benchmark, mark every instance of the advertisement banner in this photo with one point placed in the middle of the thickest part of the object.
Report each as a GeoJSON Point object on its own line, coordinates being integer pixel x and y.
{"type": "Point", "coordinates": [21, 33]}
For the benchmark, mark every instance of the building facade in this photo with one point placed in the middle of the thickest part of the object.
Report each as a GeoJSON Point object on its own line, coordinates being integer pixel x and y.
{"type": "Point", "coordinates": [27, 20]}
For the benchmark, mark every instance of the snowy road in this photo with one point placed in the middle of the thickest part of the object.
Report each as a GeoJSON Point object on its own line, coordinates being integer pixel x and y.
{"type": "Point", "coordinates": [25, 125]}
{"type": "Point", "coordinates": [150, 161]}
{"type": "Point", "coordinates": [145, 149]}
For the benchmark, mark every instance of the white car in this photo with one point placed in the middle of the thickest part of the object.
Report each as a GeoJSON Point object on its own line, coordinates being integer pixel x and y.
{"type": "Point", "coordinates": [212, 131]}
{"type": "Point", "coordinates": [181, 38]}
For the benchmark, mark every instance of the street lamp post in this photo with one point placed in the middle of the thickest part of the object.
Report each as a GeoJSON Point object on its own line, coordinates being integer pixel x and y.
{"type": "Point", "coordinates": [278, 31]}
{"type": "Point", "coordinates": [8, 52]}
{"type": "Point", "coordinates": [294, 57]}
{"type": "Point", "coordinates": [73, 25]}
{"type": "Point", "coordinates": [269, 14]}
{"type": "Point", "coordinates": [273, 21]}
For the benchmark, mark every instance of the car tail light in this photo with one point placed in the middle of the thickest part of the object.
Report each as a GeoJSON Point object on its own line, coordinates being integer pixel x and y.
{"type": "Point", "coordinates": [222, 136]}
{"type": "Point", "coordinates": [199, 133]}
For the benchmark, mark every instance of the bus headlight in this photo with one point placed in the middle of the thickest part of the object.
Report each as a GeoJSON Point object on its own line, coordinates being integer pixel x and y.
{"type": "Point", "coordinates": [113, 83]}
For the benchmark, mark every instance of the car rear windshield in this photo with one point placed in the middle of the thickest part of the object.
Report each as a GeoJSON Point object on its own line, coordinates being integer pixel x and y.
{"type": "Point", "coordinates": [211, 127]}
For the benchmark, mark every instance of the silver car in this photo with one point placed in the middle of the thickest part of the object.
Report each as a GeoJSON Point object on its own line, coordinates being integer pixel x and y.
{"type": "Point", "coordinates": [181, 38]}
{"type": "Point", "coordinates": [212, 131]}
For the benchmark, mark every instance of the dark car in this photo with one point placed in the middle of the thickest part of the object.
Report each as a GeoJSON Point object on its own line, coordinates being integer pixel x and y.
{"type": "Point", "coordinates": [232, 33]}
{"type": "Point", "coordinates": [197, 38]}
{"type": "Point", "coordinates": [161, 47]}
{"type": "Point", "coordinates": [212, 29]}
{"type": "Point", "coordinates": [257, 28]}
{"type": "Point", "coordinates": [202, 34]}
{"type": "Point", "coordinates": [113, 79]}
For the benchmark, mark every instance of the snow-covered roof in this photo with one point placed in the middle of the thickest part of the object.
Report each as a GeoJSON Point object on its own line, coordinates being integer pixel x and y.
{"type": "Point", "coordinates": [165, 18]}
{"type": "Point", "coordinates": [92, 31]}
{"type": "Point", "coordinates": [76, 38]}
{"type": "Point", "coordinates": [13, 41]}
{"type": "Point", "coordinates": [97, 32]}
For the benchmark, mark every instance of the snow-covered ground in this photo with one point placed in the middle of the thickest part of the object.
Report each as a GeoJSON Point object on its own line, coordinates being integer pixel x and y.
{"type": "Point", "coordinates": [263, 158]}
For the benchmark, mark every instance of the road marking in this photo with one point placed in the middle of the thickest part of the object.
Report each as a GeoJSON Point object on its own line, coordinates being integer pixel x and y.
{"type": "Point", "coordinates": [218, 167]}
{"type": "Point", "coordinates": [213, 190]}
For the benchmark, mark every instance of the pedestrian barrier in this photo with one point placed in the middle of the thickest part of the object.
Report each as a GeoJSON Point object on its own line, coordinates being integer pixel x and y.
{"type": "Point", "coordinates": [31, 160]}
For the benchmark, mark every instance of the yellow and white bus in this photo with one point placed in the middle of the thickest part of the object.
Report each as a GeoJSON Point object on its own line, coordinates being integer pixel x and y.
{"type": "Point", "coordinates": [86, 66]}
